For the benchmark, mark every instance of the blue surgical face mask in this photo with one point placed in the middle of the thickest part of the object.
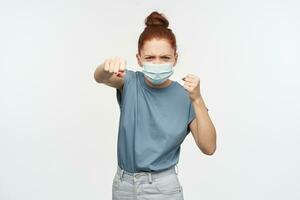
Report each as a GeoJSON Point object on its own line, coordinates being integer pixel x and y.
{"type": "Point", "coordinates": [157, 73]}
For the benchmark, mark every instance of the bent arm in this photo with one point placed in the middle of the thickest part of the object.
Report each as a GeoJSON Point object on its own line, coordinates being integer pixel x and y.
{"type": "Point", "coordinates": [203, 129]}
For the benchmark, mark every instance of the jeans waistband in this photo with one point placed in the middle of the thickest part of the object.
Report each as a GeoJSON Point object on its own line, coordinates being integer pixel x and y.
{"type": "Point", "coordinates": [151, 175]}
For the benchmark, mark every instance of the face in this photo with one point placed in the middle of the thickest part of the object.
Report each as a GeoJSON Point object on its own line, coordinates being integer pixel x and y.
{"type": "Point", "coordinates": [157, 51]}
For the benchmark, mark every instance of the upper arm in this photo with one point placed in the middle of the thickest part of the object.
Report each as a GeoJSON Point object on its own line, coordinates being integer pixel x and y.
{"type": "Point", "coordinates": [193, 127]}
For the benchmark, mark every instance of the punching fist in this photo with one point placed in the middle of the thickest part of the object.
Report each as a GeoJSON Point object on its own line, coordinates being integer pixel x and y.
{"type": "Point", "coordinates": [115, 66]}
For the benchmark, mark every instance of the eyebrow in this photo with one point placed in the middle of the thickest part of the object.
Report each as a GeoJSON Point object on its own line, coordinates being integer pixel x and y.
{"type": "Point", "coordinates": [160, 55]}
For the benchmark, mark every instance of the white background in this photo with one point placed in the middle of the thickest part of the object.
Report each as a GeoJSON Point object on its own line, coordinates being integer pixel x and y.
{"type": "Point", "coordinates": [58, 127]}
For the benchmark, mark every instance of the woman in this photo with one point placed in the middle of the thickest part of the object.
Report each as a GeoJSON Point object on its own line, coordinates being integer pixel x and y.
{"type": "Point", "coordinates": [156, 114]}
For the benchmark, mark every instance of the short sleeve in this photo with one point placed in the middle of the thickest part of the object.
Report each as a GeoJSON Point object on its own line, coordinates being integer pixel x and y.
{"type": "Point", "coordinates": [129, 74]}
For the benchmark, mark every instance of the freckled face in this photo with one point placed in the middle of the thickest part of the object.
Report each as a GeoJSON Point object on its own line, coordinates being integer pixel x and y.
{"type": "Point", "coordinates": [157, 51]}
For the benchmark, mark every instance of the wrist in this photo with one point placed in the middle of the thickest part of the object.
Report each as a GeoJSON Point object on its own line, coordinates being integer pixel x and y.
{"type": "Point", "coordinates": [197, 100]}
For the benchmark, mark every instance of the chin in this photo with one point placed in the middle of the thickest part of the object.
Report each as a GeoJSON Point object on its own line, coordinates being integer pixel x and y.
{"type": "Point", "coordinates": [159, 84]}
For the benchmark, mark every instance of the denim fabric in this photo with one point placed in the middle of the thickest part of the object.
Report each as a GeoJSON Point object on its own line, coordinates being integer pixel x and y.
{"type": "Point", "coordinates": [163, 185]}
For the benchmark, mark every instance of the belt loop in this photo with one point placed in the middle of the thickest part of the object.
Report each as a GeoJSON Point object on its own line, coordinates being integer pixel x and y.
{"type": "Point", "coordinates": [176, 171]}
{"type": "Point", "coordinates": [150, 177]}
{"type": "Point", "coordinates": [122, 172]}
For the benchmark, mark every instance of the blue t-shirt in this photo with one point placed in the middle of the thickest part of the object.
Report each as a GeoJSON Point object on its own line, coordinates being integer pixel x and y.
{"type": "Point", "coordinates": [152, 125]}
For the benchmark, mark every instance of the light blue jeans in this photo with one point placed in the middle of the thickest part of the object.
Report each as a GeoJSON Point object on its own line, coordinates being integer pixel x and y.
{"type": "Point", "coordinates": [163, 185]}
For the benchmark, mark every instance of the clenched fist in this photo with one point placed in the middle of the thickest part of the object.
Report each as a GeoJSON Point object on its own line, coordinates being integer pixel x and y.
{"type": "Point", "coordinates": [115, 66]}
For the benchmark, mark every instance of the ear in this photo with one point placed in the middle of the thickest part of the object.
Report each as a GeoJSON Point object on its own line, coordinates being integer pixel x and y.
{"type": "Point", "coordinates": [176, 57]}
{"type": "Point", "coordinates": [138, 60]}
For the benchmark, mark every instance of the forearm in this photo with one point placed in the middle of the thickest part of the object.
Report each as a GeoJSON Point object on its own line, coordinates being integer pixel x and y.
{"type": "Point", "coordinates": [100, 75]}
{"type": "Point", "coordinates": [206, 133]}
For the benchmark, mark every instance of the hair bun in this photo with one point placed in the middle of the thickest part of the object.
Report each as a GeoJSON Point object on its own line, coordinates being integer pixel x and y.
{"type": "Point", "coordinates": [156, 19]}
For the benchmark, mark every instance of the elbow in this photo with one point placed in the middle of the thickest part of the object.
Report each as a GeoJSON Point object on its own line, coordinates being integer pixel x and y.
{"type": "Point", "coordinates": [96, 78]}
{"type": "Point", "coordinates": [98, 74]}
{"type": "Point", "coordinates": [210, 151]}
{"type": "Point", "coordinates": [212, 146]}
